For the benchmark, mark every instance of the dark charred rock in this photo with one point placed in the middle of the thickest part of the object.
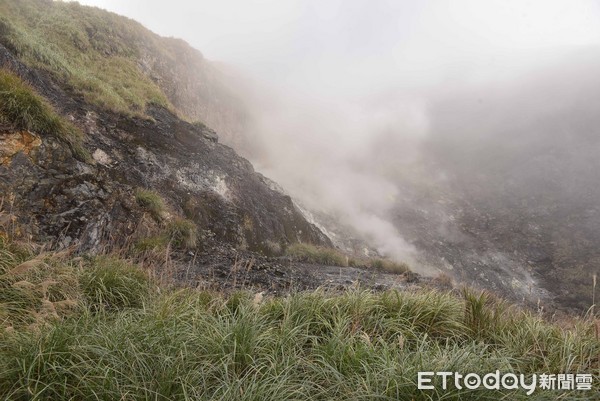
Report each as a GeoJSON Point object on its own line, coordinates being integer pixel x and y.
{"type": "Point", "coordinates": [226, 269]}
{"type": "Point", "coordinates": [91, 206]}
{"type": "Point", "coordinates": [61, 200]}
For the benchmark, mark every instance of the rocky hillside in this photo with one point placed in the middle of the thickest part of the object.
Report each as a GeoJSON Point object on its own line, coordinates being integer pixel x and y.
{"type": "Point", "coordinates": [512, 195]}
{"type": "Point", "coordinates": [84, 164]}
{"type": "Point", "coordinates": [112, 148]}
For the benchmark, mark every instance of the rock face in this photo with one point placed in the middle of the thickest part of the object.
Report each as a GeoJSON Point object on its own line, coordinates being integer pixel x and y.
{"type": "Point", "coordinates": [59, 199]}
{"type": "Point", "coordinates": [13, 143]}
{"type": "Point", "coordinates": [196, 88]}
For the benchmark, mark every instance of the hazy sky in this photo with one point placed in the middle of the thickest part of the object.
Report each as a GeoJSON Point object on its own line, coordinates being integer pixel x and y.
{"type": "Point", "coordinates": [295, 38]}
{"type": "Point", "coordinates": [352, 79]}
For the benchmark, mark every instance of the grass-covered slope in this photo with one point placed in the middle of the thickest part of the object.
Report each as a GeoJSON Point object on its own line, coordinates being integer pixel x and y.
{"type": "Point", "coordinates": [100, 328]}
{"type": "Point", "coordinates": [93, 51]}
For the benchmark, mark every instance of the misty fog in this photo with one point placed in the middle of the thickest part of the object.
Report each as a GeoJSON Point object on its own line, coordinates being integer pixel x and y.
{"type": "Point", "coordinates": [425, 126]}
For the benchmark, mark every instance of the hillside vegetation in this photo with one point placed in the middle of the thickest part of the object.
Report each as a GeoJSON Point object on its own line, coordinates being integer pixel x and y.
{"type": "Point", "coordinates": [23, 109]}
{"type": "Point", "coordinates": [94, 51]}
{"type": "Point", "coordinates": [102, 328]}
{"type": "Point", "coordinates": [96, 320]}
{"type": "Point", "coordinates": [333, 257]}
{"type": "Point", "coordinates": [116, 63]}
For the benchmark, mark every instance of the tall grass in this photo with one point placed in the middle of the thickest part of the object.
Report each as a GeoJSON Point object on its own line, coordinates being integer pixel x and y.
{"type": "Point", "coordinates": [109, 283]}
{"type": "Point", "coordinates": [152, 202]}
{"type": "Point", "coordinates": [204, 346]}
{"type": "Point", "coordinates": [79, 328]}
{"type": "Point", "coordinates": [39, 288]}
{"type": "Point", "coordinates": [318, 255]}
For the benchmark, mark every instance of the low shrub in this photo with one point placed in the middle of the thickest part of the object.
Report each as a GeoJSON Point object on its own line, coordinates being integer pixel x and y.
{"type": "Point", "coordinates": [152, 202]}
{"type": "Point", "coordinates": [23, 108]}
{"type": "Point", "coordinates": [183, 233]}
{"type": "Point", "coordinates": [113, 284]}
{"type": "Point", "coordinates": [272, 248]}
{"type": "Point", "coordinates": [389, 265]}
{"type": "Point", "coordinates": [316, 255]}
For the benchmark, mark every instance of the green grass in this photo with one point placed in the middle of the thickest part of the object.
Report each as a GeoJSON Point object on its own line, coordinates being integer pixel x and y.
{"type": "Point", "coordinates": [113, 284]}
{"type": "Point", "coordinates": [198, 345]}
{"type": "Point", "coordinates": [79, 328]}
{"type": "Point", "coordinates": [23, 108]}
{"type": "Point", "coordinates": [332, 257]}
{"type": "Point", "coordinates": [36, 289]}
{"type": "Point", "coordinates": [389, 265]}
{"type": "Point", "coordinates": [318, 255]}
{"type": "Point", "coordinates": [180, 233]}
{"type": "Point", "coordinates": [153, 243]}
{"type": "Point", "coordinates": [95, 52]}
{"type": "Point", "coordinates": [152, 202]}
{"type": "Point", "coordinates": [183, 233]}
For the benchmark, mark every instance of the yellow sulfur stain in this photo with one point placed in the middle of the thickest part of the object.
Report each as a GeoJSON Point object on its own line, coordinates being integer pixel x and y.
{"type": "Point", "coordinates": [11, 143]}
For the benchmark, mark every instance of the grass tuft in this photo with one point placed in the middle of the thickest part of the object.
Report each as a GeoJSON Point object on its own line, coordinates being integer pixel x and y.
{"type": "Point", "coordinates": [317, 255]}
{"type": "Point", "coordinates": [23, 108]}
{"type": "Point", "coordinates": [152, 202]}
{"type": "Point", "coordinates": [109, 283]}
{"type": "Point", "coordinates": [389, 265]}
{"type": "Point", "coordinates": [121, 339]}
{"type": "Point", "coordinates": [183, 233]}
{"type": "Point", "coordinates": [154, 243]}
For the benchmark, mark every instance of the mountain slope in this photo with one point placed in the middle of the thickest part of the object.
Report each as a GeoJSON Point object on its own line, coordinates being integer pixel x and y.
{"type": "Point", "coordinates": [86, 192]}
{"type": "Point", "coordinates": [117, 64]}
{"type": "Point", "coordinates": [512, 169]}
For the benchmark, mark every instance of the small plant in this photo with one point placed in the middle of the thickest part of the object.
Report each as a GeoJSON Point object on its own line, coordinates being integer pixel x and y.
{"type": "Point", "coordinates": [152, 202]}
{"type": "Point", "coordinates": [199, 125]}
{"type": "Point", "coordinates": [317, 255]}
{"type": "Point", "coordinates": [390, 265]}
{"type": "Point", "coordinates": [358, 262]}
{"type": "Point", "coordinates": [23, 108]}
{"type": "Point", "coordinates": [155, 243]}
{"type": "Point", "coordinates": [113, 284]}
{"type": "Point", "coordinates": [443, 280]}
{"type": "Point", "coordinates": [272, 248]}
{"type": "Point", "coordinates": [183, 233]}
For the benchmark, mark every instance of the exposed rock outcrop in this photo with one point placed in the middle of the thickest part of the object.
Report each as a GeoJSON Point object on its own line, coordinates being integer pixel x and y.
{"type": "Point", "coordinates": [59, 199]}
